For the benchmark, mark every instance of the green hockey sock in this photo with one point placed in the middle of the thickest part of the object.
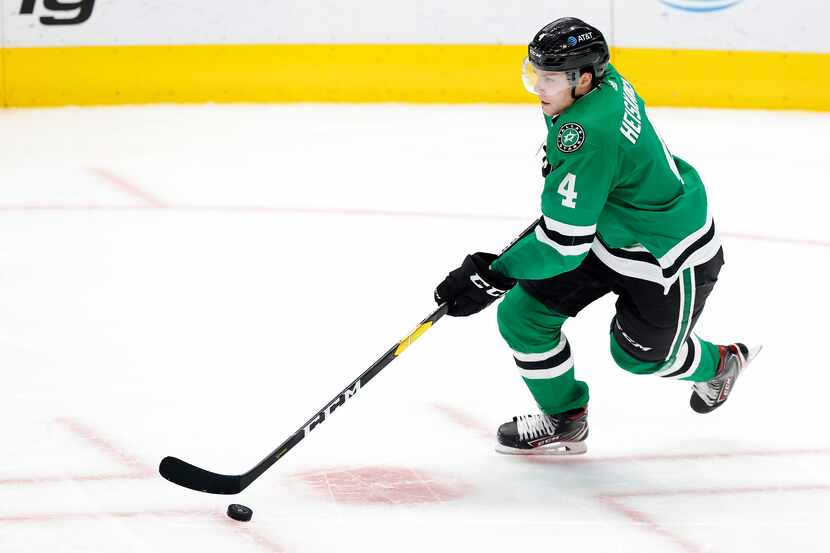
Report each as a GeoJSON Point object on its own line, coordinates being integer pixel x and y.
{"type": "Point", "coordinates": [541, 352]}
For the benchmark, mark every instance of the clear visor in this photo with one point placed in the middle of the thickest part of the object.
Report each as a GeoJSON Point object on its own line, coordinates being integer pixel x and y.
{"type": "Point", "coordinates": [538, 81]}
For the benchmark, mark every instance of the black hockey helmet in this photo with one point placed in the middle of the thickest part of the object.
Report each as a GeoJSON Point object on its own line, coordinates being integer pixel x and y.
{"type": "Point", "coordinates": [570, 44]}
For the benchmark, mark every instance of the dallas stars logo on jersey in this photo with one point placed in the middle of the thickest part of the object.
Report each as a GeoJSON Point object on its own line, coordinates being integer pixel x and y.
{"type": "Point", "coordinates": [571, 137]}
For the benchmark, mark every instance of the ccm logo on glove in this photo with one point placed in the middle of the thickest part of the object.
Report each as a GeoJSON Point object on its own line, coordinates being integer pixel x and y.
{"type": "Point", "coordinates": [473, 286]}
{"type": "Point", "coordinates": [484, 285]}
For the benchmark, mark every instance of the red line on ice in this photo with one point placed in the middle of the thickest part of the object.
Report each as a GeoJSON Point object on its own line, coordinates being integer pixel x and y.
{"type": "Point", "coordinates": [463, 419]}
{"type": "Point", "coordinates": [248, 531]}
{"type": "Point", "coordinates": [612, 501]}
{"type": "Point", "coordinates": [656, 457]}
{"type": "Point", "coordinates": [723, 491]}
{"type": "Point", "coordinates": [136, 469]}
{"type": "Point", "coordinates": [32, 480]}
{"type": "Point", "coordinates": [127, 187]}
{"type": "Point", "coordinates": [649, 523]}
{"type": "Point", "coordinates": [103, 445]}
{"type": "Point", "coordinates": [139, 471]}
{"type": "Point", "coordinates": [53, 517]}
{"type": "Point", "coordinates": [156, 203]}
{"type": "Point", "coordinates": [261, 540]}
{"type": "Point", "coordinates": [782, 239]}
{"type": "Point", "coordinates": [74, 207]}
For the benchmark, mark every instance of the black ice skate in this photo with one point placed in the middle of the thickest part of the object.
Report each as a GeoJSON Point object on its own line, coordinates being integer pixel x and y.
{"type": "Point", "coordinates": [562, 434]}
{"type": "Point", "coordinates": [734, 358]}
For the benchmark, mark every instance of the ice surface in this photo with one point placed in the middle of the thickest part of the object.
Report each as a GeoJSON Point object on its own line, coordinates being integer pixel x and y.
{"type": "Point", "coordinates": [198, 281]}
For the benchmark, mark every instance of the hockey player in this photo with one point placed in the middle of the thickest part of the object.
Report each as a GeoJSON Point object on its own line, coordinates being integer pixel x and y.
{"type": "Point", "coordinates": [619, 214]}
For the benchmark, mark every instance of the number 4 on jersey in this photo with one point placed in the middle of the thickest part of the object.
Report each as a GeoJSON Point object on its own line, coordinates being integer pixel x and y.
{"type": "Point", "coordinates": [567, 188]}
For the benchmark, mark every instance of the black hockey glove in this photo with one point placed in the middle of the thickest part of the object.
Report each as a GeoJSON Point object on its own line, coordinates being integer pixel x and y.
{"type": "Point", "coordinates": [473, 286]}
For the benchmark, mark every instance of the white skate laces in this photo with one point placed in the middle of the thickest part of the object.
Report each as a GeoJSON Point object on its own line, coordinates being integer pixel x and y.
{"type": "Point", "coordinates": [541, 434]}
{"type": "Point", "coordinates": [535, 426]}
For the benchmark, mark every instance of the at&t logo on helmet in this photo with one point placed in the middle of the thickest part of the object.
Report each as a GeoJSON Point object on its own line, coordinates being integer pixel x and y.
{"type": "Point", "coordinates": [700, 6]}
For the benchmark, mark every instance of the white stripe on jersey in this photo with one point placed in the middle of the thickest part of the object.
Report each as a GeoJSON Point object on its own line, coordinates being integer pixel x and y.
{"type": "Point", "coordinates": [569, 230]}
{"type": "Point", "coordinates": [672, 255]}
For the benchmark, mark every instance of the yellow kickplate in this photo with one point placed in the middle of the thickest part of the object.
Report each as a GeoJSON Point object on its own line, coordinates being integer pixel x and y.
{"type": "Point", "coordinates": [406, 342]}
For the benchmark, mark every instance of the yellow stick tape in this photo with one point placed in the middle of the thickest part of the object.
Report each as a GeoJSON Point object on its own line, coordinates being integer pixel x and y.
{"type": "Point", "coordinates": [392, 73]}
{"type": "Point", "coordinates": [406, 342]}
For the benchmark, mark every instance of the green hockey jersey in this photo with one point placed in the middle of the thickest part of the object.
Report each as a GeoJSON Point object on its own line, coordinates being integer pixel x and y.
{"type": "Point", "coordinates": [613, 187]}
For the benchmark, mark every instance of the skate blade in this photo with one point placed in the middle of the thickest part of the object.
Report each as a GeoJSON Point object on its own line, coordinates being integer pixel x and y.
{"type": "Point", "coordinates": [559, 448]}
{"type": "Point", "coordinates": [753, 353]}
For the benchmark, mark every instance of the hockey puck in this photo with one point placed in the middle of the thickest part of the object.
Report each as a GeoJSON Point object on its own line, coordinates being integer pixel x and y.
{"type": "Point", "coordinates": [240, 512]}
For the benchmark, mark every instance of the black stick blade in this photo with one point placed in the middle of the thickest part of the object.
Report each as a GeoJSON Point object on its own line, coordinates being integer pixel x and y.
{"type": "Point", "coordinates": [190, 476]}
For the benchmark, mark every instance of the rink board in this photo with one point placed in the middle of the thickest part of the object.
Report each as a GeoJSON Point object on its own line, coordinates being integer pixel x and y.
{"type": "Point", "coordinates": [706, 53]}
{"type": "Point", "coordinates": [418, 73]}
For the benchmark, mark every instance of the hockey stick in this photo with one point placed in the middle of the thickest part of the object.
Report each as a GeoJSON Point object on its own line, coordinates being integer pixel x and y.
{"type": "Point", "coordinates": [190, 476]}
